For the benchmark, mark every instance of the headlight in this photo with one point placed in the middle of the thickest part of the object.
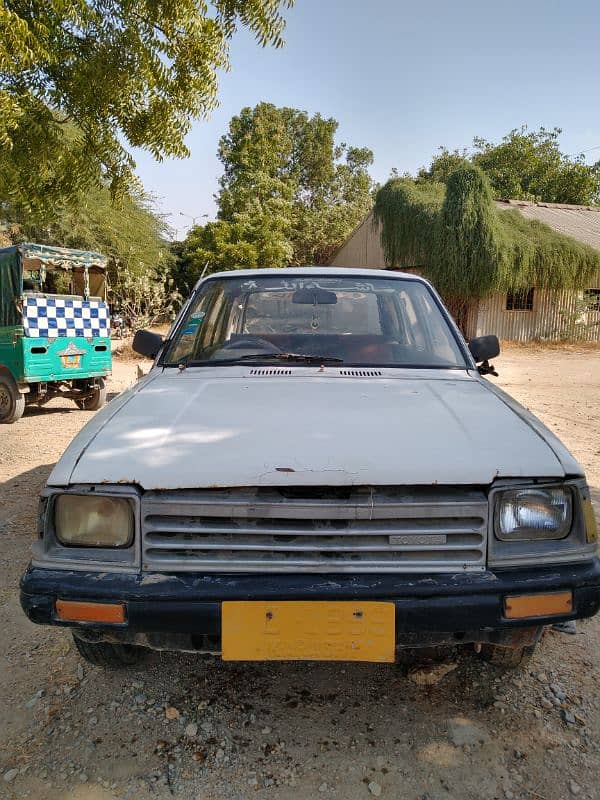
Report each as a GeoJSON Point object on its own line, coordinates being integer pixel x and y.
{"type": "Point", "coordinates": [93, 521]}
{"type": "Point", "coordinates": [525, 514]}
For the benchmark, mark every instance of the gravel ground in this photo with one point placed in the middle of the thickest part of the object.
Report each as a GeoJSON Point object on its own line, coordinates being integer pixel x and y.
{"type": "Point", "coordinates": [194, 728]}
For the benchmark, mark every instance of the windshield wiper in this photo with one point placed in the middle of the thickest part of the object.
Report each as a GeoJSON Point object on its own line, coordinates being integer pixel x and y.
{"type": "Point", "coordinates": [305, 359]}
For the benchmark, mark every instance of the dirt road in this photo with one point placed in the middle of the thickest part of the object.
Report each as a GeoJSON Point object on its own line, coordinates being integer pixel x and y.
{"type": "Point", "coordinates": [72, 732]}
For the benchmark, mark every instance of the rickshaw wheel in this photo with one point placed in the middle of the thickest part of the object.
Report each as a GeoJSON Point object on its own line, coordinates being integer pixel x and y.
{"type": "Point", "coordinates": [12, 402]}
{"type": "Point", "coordinates": [96, 400]}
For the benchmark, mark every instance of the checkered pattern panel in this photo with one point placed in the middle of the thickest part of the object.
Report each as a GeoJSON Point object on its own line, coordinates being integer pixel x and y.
{"type": "Point", "coordinates": [50, 317]}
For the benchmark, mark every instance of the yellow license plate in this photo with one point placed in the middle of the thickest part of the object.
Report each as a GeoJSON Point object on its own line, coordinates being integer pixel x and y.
{"type": "Point", "coordinates": [307, 631]}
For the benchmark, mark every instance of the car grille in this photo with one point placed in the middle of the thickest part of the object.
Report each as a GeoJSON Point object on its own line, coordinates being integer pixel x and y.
{"type": "Point", "coordinates": [315, 530]}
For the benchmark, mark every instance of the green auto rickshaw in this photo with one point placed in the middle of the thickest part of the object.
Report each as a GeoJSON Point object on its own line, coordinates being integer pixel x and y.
{"type": "Point", "coordinates": [54, 328]}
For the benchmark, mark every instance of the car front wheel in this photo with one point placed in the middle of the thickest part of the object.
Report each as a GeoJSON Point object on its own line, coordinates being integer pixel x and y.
{"type": "Point", "coordinates": [107, 654]}
{"type": "Point", "coordinates": [507, 657]}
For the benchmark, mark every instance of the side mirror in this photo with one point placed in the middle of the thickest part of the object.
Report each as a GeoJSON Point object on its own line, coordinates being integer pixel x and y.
{"type": "Point", "coordinates": [147, 343]}
{"type": "Point", "coordinates": [484, 347]}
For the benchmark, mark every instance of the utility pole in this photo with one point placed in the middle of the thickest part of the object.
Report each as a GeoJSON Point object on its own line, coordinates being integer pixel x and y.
{"type": "Point", "coordinates": [189, 216]}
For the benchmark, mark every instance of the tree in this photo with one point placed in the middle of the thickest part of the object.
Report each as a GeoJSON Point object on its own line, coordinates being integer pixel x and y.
{"type": "Point", "coordinates": [219, 246]}
{"type": "Point", "coordinates": [468, 261]}
{"type": "Point", "coordinates": [284, 156]}
{"type": "Point", "coordinates": [116, 72]}
{"type": "Point", "coordinates": [530, 166]}
{"type": "Point", "coordinates": [443, 165]}
{"type": "Point", "coordinates": [525, 165]}
{"type": "Point", "coordinates": [288, 193]}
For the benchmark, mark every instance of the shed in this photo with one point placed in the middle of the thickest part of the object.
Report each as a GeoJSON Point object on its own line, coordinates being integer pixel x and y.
{"type": "Point", "coordinates": [543, 314]}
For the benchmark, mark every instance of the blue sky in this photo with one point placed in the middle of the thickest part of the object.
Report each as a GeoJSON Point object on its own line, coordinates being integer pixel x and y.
{"type": "Point", "coordinates": [403, 78]}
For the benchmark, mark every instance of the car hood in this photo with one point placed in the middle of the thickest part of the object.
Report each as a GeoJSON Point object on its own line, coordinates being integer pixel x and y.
{"type": "Point", "coordinates": [200, 428]}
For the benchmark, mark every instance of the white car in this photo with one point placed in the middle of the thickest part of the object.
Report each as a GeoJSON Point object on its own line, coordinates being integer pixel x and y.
{"type": "Point", "coordinates": [314, 468]}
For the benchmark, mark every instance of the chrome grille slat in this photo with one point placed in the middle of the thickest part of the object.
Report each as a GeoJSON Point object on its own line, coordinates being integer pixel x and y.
{"type": "Point", "coordinates": [166, 526]}
{"type": "Point", "coordinates": [236, 544]}
{"type": "Point", "coordinates": [315, 510]}
{"type": "Point", "coordinates": [315, 530]}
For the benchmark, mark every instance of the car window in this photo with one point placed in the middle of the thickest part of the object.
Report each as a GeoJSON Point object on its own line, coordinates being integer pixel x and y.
{"type": "Point", "coordinates": [379, 322]}
{"type": "Point", "coordinates": [276, 312]}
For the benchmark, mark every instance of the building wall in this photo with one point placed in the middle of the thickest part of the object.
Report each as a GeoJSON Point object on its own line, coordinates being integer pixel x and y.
{"type": "Point", "coordinates": [362, 248]}
{"type": "Point", "coordinates": [553, 312]}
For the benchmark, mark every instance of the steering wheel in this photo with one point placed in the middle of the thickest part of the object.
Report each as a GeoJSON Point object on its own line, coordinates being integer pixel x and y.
{"type": "Point", "coordinates": [247, 342]}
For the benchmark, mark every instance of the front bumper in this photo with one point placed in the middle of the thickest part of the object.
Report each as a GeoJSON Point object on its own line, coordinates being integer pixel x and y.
{"type": "Point", "coordinates": [183, 611]}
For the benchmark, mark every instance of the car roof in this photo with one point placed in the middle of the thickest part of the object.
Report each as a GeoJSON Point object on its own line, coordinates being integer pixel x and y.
{"type": "Point", "coordinates": [333, 272]}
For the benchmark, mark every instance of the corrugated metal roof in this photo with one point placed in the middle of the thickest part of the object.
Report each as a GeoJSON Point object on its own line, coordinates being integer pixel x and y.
{"type": "Point", "coordinates": [579, 222]}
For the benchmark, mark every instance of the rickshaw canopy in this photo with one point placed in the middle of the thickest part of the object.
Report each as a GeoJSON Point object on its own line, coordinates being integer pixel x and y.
{"type": "Point", "coordinates": [63, 257]}
{"type": "Point", "coordinates": [42, 258]}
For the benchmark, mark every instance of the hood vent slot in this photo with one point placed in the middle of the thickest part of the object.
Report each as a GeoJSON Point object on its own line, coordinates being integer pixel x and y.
{"type": "Point", "coordinates": [361, 373]}
{"type": "Point", "coordinates": [270, 371]}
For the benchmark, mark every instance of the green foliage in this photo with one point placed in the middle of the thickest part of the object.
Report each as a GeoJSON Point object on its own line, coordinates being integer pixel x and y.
{"type": "Point", "coordinates": [530, 166]}
{"type": "Point", "coordinates": [219, 246]}
{"type": "Point", "coordinates": [281, 161]}
{"type": "Point", "coordinates": [525, 165]}
{"type": "Point", "coordinates": [467, 246]}
{"type": "Point", "coordinates": [45, 162]}
{"type": "Point", "coordinates": [324, 215]}
{"type": "Point", "coordinates": [129, 232]}
{"type": "Point", "coordinates": [408, 213]}
{"type": "Point", "coordinates": [117, 71]}
{"type": "Point", "coordinates": [443, 165]}
{"type": "Point", "coordinates": [146, 298]}
{"type": "Point", "coordinates": [537, 255]}
{"type": "Point", "coordinates": [468, 259]}
{"type": "Point", "coordinates": [289, 194]}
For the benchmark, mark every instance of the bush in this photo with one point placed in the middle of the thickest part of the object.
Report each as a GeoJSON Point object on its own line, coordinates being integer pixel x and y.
{"type": "Point", "coordinates": [145, 299]}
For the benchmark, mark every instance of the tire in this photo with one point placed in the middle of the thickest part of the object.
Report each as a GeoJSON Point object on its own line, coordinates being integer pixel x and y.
{"type": "Point", "coordinates": [96, 400]}
{"type": "Point", "coordinates": [507, 657]}
{"type": "Point", "coordinates": [107, 654]}
{"type": "Point", "coordinates": [422, 655]}
{"type": "Point", "coordinates": [12, 402]}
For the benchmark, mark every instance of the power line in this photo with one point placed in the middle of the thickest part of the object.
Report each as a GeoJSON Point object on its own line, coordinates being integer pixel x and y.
{"type": "Point", "coordinates": [581, 152]}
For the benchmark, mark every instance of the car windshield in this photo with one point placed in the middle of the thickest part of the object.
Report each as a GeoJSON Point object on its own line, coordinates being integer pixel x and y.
{"type": "Point", "coordinates": [330, 320]}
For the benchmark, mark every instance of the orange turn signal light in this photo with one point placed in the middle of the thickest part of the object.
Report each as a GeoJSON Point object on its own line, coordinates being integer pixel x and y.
{"type": "Point", "coordinates": [521, 606]}
{"type": "Point", "coordinates": [75, 611]}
